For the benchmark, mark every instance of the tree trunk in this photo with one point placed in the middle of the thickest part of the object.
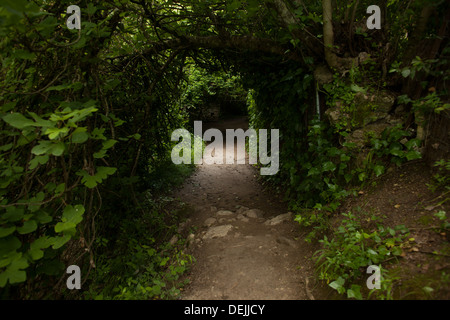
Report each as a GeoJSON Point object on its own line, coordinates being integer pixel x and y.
{"type": "Point", "coordinates": [328, 34]}
{"type": "Point", "coordinates": [333, 61]}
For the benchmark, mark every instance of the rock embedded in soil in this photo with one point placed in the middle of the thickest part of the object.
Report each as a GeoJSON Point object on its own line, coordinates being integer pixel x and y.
{"type": "Point", "coordinates": [242, 218]}
{"type": "Point", "coordinates": [209, 222]}
{"type": "Point", "coordinates": [254, 213]}
{"type": "Point", "coordinates": [287, 241]}
{"type": "Point", "coordinates": [190, 239]}
{"type": "Point", "coordinates": [242, 209]}
{"type": "Point", "coordinates": [223, 213]}
{"type": "Point", "coordinates": [218, 232]}
{"type": "Point", "coordinates": [278, 219]}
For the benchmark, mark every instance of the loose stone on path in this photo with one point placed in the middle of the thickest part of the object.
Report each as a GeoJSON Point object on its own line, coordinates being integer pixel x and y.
{"type": "Point", "coordinates": [279, 219]}
{"type": "Point", "coordinates": [218, 232]}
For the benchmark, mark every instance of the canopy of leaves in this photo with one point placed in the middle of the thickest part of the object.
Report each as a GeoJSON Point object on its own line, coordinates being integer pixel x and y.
{"type": "Point", "coordinates": [87, 114]}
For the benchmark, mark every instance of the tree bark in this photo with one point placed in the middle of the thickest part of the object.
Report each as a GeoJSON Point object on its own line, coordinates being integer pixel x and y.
{"type": "Point", "coordinates": [333, 61]}
{"type": "Point", "coordinates": [328, 34]}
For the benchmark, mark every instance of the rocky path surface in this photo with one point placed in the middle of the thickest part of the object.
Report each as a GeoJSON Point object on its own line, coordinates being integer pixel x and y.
{"type": "Point", "coordinates": [245, 243]}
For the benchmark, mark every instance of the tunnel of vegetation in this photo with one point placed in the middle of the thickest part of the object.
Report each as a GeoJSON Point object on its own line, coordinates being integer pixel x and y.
{"type": "Point", "coordinates": [87, 117]}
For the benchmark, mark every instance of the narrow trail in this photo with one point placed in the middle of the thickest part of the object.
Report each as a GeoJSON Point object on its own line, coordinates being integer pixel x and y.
{"type": "Point", "coordinates": [245, 242]}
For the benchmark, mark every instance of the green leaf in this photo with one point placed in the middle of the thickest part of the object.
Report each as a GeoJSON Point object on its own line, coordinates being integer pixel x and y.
{"type": "Point", "coordinates": [42, 148]}
{"type": "Point", "coordinates": [397, 152]}
{"type": "Point", "coordinates": [28, 227]}
{"type": "Point", "coordinates": [91, 9]}
{"type": "Point", "coordinates": [70, 218]}
{"type": "Point", "coordinates": [329, 166]}
{"type": "Point", "coordinates": [7, 231]}
{"type": "Point", "coordinates": [60, 241]}
{"type": "Point", "coordinates": [18, 121]}
{"type": "Point", "coordinates": [13, 272]}
{"type": "Point", "coordinates": [75, 85]}
{"type": "Point", "coordinates": [79, 115]}
{"type": "Point", "coordinates": [357, 88]}
{"type": "Point", "coordinates": [92, 181]}
{"type": "Point", "coordinates": [413, 143]}
{"type": "Point", "coordinates": [98, 134]}
{"type": "Point", "coordinates": [14, 214]}
{"type": "Point", "coordinates": [88, 180]}
{"type": "Point", "coordinates": [135, 136]}
{"type": "Point", "coordinates": [80, 135]}
{"type": "Point", "coordinates": [379, 170]}
{"type": "Point", "coordinates": [48, 147]}
{"type": "Point", "coordinates": [104, 172]}
{"type": "Point", "coordinates": [413, 155]}
{"type": "Point", "coordinates": [25, 55]}
{"type": "Point", "coordinates": [362, 176]}
{"type": "Point", "coordinates": [41, 122]}
{"type": "Point", "coordinates": [338, 285]}
{"type": "Point", "coordinates": [37, 161]}
{"type": "Point", "coordinates": [42, 217]}
{"type": "Point", "coordinates": [109, 143]}
{"type": "Point", "coordinates": [348, 177]}
{"type": "Point", "coordinates": [58, 149]}
{"type": "Point", "coordinates": [9, 244]}
{"type": "Point", "coordinates": [313, 171]}
{"type": "Point", "coordinates": [396, 251]}
{"type": "Point", "coordinates": [442, 215]}
{"type": "Point", "coordinates": [54, 133]}
{"type": "Point", "coordinates": [36, 247]}
{"type": "Point", "coordinates": [344, 158]}
{"type": "Point", "coordinates": [354, 292]}
{"type": "Point", "coordinates": [428, 290]}
{"type": "Point", "coordinates": [16, 7]}
{"type": "Point", "coordinates": [36, 253]}
{"type": "Point", "coordinates": [100, 154]}
{"type": "Point", "coordinates": [156, 290]}
{"type": "Point", "coordinates": [406, 72]}
{"type": "Point", "coordinates": [391, 231]}
{"type": "Point", "coordinates": [390, 242]}
{"type": "Point", "coordinates": [60, 188]}
{"type": "Point", "coordinates": [35, 201]}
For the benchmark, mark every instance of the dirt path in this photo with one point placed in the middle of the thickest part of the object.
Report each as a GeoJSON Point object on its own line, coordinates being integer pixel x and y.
{"type": "Point", "coordinates": [245, 243]}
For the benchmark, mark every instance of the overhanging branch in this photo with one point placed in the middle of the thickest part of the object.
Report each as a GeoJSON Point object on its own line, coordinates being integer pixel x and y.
{"type": "Point", "coordinates": [240, 43]}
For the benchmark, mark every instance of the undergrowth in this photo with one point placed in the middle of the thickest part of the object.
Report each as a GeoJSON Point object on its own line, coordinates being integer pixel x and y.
{"type": "Point", "coordinates": [139, 262]}
{"type": "Point", "coordinates": [360, 240]}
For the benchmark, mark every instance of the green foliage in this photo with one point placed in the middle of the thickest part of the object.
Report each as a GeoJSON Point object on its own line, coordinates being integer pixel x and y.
{"type": "Point", "coordinates": [342, 95]}
{"type": "Point", "coordinates": [29, 213]}
{"type": "Point", "coordinates": [204, 89]}
{"type": "Point", "coordinates": [429, 104]}
{"type": "Point", "coordinates": [138, 270]}
{"type": "Point", "coordinates": [441, 180]}
{"type": "Point", "coordinates": [86, 118]}
{"type": "Point", "coordinates": [330, 173]}
{"type": "Point", "coordinates": [278, 100]}
{"type": "Point", "coordinates": [324, 167]}
{"type": "Point", "coordinates": [342, 261]}
{"type": "Point", "coordinates": [429, 66]}
{"type": "Point", "coordinates": [441, 183]}
{"type": "Point", "coordinates": [137, 262]}
{"type": "Point", "coordinates": [77, 132]}
{"type": "Point", "coordinates": [442, 216]}
{"type": "Point", "coordinates": [394, 145]}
